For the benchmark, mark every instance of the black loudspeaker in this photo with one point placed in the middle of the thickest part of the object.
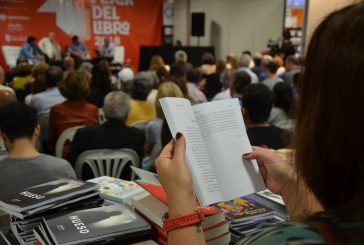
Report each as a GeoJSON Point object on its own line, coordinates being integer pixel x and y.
{"type": "Point", "coordinates": [198, 24]}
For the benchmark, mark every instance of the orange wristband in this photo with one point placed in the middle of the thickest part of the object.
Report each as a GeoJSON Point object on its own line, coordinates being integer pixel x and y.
{"type": "Point", "coordinates": [177, 222]}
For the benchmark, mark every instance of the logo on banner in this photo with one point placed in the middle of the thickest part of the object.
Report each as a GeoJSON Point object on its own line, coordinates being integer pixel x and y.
{"type": "Point", "coordinates": [15, 27]}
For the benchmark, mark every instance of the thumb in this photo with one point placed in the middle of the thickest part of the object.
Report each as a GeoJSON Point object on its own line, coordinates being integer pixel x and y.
{"type": "Point", "coordinates": [179, 147]}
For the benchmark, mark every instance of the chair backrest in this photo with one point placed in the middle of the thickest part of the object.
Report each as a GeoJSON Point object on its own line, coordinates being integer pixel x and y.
{"type": "Point", "coordinates": [2, 145]}
{"type": "Point", "coordinates": [11, 54]}
{"type": "Point", "coordinates": [119, 55]}
{"type": "Point", "coordinates": [43, 123]}
{"type": "Point", "coordinates": [107, 162]}
{"type": "Point", "coordinates": [102, 118]}
{"type": "Point", "coordinates": [67, 134]}
{"type": "Point", "coordinates": [141, 125]}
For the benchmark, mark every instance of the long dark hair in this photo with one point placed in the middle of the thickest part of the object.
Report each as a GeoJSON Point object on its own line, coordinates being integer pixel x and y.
{"type": "Point", "coordinates": [330, 121]}
{"type": "Point", "coordinates": [100, 81]}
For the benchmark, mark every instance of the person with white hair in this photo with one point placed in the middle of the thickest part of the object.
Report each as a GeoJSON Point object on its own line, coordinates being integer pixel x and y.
{"type": "Point", "coordinates": [50, 46]}
{"type": "Point", "coordinates": [112, 134]}
{"type": "Point", "coordinates": [244, 62]}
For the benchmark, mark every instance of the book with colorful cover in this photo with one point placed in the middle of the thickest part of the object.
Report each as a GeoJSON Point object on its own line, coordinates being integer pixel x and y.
{"type": "Point", "coordinates": [115, 189]}
{"type": "Point", "coordinates": [243, 209]}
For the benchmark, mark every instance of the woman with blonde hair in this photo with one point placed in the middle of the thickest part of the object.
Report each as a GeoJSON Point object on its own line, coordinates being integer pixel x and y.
{"type": "Point", "coordinates": [153, 130]}
{"type": "Point", "coordinates": [75, 111]}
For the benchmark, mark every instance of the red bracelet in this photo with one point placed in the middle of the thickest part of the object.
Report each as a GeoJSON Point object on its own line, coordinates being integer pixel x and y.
{"type": "Point", "coordinates": [177, 222]}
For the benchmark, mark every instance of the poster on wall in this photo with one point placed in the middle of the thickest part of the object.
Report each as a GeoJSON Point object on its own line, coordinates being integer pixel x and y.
{"type": "Point", "coordinates": [129, 23]}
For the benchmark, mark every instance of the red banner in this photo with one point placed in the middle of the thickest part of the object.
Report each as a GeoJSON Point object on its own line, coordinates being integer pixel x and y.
{"type": "Point", "coordinates": [129, 23]}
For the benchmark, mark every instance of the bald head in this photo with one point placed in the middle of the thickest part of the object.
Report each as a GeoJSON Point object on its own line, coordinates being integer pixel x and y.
{"type": "Point", "coordinates": [6, 97]}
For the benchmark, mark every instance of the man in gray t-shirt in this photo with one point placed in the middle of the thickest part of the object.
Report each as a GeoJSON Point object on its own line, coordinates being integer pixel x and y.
{"type": "Point", "coordinates": [25, 166]}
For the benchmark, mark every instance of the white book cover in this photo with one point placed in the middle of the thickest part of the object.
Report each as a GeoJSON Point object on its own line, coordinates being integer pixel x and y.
{"type": "Point", "coordinates": [216, 141]}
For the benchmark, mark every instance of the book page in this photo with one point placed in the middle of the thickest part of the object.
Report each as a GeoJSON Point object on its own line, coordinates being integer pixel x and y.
{"type": "Point", "coordinates": [222, 128]}
{"type": "Point", "coordinates": [180, 118]}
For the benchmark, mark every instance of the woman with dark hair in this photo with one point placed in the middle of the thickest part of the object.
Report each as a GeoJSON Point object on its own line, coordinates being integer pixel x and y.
{"type": "Point", "coordinates": [100, 85]}
{"type": "Point", "coordinates": [208, 64]}
{"type": "Point", "coordinates": [322, 182]}
{"type": "Point", "coordinates": [280, 116]}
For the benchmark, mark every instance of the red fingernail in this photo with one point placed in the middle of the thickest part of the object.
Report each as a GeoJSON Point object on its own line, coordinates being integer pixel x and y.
{"type": "Point", "coordinates": [178, 135]}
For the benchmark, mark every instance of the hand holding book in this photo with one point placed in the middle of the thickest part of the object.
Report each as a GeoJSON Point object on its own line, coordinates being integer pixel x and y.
{"type": "Point", "coordinates": [176, 177]}
{"type": "Point", "coordinates": [277, 170]}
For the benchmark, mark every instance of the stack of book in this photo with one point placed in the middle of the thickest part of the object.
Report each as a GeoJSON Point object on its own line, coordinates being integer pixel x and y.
{"type": "Point", "coordinates": [153, 206]}
{"type": "Point", "coordinates": [27, 207]}
{"type": "Point", "coordinates": [107, 224]}
{"type": "Point", "coordinates": [245, 214]}
{"type": "Point", "coordinates": [117, 190]}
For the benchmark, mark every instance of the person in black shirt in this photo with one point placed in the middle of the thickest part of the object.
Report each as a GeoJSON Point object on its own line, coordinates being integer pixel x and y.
{"type": "Point", "coordinates": [257, 103]}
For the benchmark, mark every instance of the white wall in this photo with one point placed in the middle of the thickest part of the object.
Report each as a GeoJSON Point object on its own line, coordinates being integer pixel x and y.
{"type": "Point", "coordinates": [318, 10]}
{"type": "Point", "coordinates": [231, 25]}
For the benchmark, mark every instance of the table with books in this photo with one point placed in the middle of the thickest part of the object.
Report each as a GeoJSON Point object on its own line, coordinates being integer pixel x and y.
{"type": "Point", "coordinates": [113, 211]}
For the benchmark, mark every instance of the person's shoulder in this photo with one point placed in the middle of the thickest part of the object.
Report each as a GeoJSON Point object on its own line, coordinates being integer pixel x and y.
{"type": "Point", "coordinates": [136, 131]}
{"type": "Point", "coordinates": [283, 233]}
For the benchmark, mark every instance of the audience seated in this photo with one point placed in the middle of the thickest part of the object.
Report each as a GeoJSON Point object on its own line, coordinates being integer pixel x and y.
{"type": "Point", "coordinates": [280, 115]}
{"type": "Point", "coordinates": [292, 67]}
{"type": "Point", "coordinates": [2, 79]}
{"type": "Point", "coordinates": [245, 61]}
{"type": "Point", "coordinates": [42, 102]}
{"type": "Point", "coordinates": [153, 129]}
{"type": "Point", "coordinates": [141, 109]}
{"type": "Point", "coordinates": [37, 86]}
{"type": "Point", "coordinates": [181, 62]}
{"type": "Point", "coordinates": [272, 79]}
{"type": "Point", "coordinates": [113, 134]}
{"type": "Point", "coordinates": [86, 66]}
{"type": "Point", "coordinates": [6, 97]}
{"type": "Point", "coordinates": [239, 84]}
{"type": "Point", "coordinates": [156, 62]}
{"type": "Point", "coordinates": [208, 64]}
{"type": "Point", "coordinates": [25, 166]}
{"type": "Point", "coordinates": [19, 83]}
{"type": "Point", "coordinates": [195, 82]}
{"type": "Point", "coordinates": [266, 59]}
{"type": "Point", "coordinates": [126, 77]}
{"type": "Point", "coordinates": [68, 65]}
{"type": "Point", "coordinates": [181, 82]}
{"type": "Point", "coordinates": [258, 68]}
{"type": "Point", "coordinates": [257, 103]}
{"type": "Point", "coordinates": [213, 84]}
{"type": "Point", "coordinates": [75, 111]}
{"type": "Point", "coordinates": [225, 79]}
{"type": "Point", "coordinates": [100, 85]}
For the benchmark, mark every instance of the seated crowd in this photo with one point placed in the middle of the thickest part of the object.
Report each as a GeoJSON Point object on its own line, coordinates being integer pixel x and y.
{"type": "Point", "coordinates": [64, 97]}
{"type": "Point", "coordinates": [39, 103]}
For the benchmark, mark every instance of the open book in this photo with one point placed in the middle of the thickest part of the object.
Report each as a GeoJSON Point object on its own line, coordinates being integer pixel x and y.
{"type": "Point", "coordinates": [216, 141]}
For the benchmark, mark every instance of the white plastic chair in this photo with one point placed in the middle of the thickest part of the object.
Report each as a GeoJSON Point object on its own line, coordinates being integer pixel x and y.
{"type": "Point", "coordinates": [119, 55]}
{"type": "Point", "coordinates": [102, 118]}
{"type": "Point", "coordinates": [107, 162]}
{"type": "Point", "coordinates": [11, 54]}
{"type": "Point", "coordinates": [67, 134]}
